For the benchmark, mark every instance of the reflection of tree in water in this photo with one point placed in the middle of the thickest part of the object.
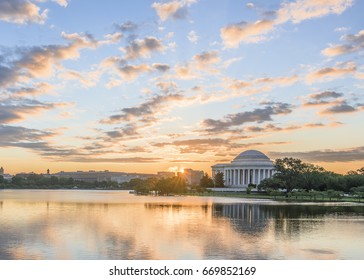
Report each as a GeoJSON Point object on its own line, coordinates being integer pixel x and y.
{"type": "Point", "coordinates": [288, 220]}
{"type": "Point", "coordinates": [175, 206]}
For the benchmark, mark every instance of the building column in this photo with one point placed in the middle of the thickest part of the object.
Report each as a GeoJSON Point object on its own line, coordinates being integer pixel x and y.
{"type": "Point", "coordinates": [259, 176]}
{"type": "Point", "coordinates": [239, 177]}
{"type": "Point", "coordinates": [234, 177]}
{"type": "Point", "coordinates": [254, 179]}
{"type": "Point", "coordinates": [248, 176]}
{"type": "Point", "coordinates": [243, 177]}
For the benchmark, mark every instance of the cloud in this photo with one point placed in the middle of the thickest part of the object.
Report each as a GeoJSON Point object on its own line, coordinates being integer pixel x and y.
{"type": "Point", "coordinates": [129, 131]}
{"type": "Point", "coordinates": [116, 160]}
{"type": "Point", "coordinates": [130, 72]}
{"type": "Point", "coordinates": [295, 12]}
{"type": "Point", "coordinates": [161, 67]}
{"type": "Point", "coordinates": [199, 146]}
{"type": "Point", "coordinates": [208, 145]}
{"type": "Point", "coordinates": [41, 61]}
{"type": "Point", "coordinates": [8, 75]}
{"type": "Point", "coordinates": [340, 108]}
{"type": "Point", "coordinates": [166, 87]}
{"type": "Point", "coordinates": [322, 98]}
{"type": "Point", "coordinates": [325, 95]}
{"type": "Point", "coordinates": [35, 90]}
{"type": "Point", "coordinates": [13, 110]}
{"type": "Point", "coordinates": [21, 12]}
{"type": "Point", "coordinates": [328, 73]}
{"type": "Point", "coordinates": [232, 35]}
{"type": "Point", "coordinates": [16, 135]}
{"type": "Point", "coordinates": [34, 140]}
{"type": "Point", "coordinates": [275, 128]}
{"type": "Point", "coordinates": [173, 9]}
{"type": "Point", "coordinates": [343, 155]}
{"type": "Point", "coordinates": [63, 3]}
{"type": "Point", "coordinates": [259, 84]}
{"type": "Point", "coordinates": [257, 115]}
{"type": "Point", "coordinates": [301, 10]}
{"type": "Point", "coordinates": [192, 37]}
{"type": "Point", "coordinates": [146, 111]}
{"type": "Point", "coordinates": [354, 43]}
{"type": "Point", "coordinates": [127, 26]}
{"type": "Point", "coordinates": [250, 5]}
{"type": "Point", "coordinates": [206, 59]}
{"type": "Point", "coordinates": [143, 48]}
{"type": "Point", "coordinates": [86, 79]}
{"type": "Point", "coordinates": [185, 72]}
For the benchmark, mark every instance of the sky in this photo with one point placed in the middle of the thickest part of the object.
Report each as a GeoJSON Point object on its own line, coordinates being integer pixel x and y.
{"type": "Point", "coordinates": [147, 86]}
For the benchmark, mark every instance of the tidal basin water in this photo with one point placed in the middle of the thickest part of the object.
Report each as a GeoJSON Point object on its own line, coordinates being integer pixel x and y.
{"type": "Point", "coordinates": [79, 224]}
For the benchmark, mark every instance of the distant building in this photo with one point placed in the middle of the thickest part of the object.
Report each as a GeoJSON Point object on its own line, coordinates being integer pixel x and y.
{"type": "Point", "coordinates": [7, 177]}
{"type": "Point", "coordinates": [249, 167]}
{"type": "Point", "coordinates": [192, 177]}
{"type": "Point", "coordinates": [99, 176]}
{"type": "Point", "coordinates": [166, 174]}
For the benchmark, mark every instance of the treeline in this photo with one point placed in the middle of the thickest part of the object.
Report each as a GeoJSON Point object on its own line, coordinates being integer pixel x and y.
{"type": "Point", "coordinates": [293, 174]}
{"type": "Point", "coordinates": [159, 186]}
{"type": "Point", "coordinates": [39, 181]}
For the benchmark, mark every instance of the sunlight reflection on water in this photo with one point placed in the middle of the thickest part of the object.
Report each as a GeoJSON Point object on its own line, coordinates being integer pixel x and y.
{"type": "Point", "coordinates": [78, 224]}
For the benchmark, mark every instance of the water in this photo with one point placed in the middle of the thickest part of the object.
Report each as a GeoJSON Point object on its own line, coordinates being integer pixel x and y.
{"type": "Point", "coordinates": [79, 224]}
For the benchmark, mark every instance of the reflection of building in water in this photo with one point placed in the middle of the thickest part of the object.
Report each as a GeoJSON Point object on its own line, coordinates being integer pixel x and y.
{"type": "Point", "coordinates": [245, 217]}
{"type": "Point", "coordinates": [249, 167]}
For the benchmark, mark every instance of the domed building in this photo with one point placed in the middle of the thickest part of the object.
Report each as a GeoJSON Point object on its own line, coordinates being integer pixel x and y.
{"type": "Point", "coordinates": [249, 167]}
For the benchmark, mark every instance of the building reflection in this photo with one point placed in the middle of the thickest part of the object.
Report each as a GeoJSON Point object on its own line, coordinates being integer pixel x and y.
{"type": "Point", "coordinates": [245, 218]}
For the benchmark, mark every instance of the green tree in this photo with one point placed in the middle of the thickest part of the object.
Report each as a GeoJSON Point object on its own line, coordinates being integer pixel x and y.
{"type": "Point", "coordinates": [219, 180]}
{"type": "Point", "coordinates": [272, 183]}
{"type": "Point", "coordinates": [18, 180]}
{"type": "Point", "coordinates": [288, 171]}
{"type": "Point", "coordinates": [311, 175]}
{"type": "Point", "coordinates": [206, 182]}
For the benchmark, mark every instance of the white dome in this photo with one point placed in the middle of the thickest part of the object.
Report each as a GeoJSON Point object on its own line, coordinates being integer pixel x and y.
{"type": "Point", "coordinates": [251, 155]}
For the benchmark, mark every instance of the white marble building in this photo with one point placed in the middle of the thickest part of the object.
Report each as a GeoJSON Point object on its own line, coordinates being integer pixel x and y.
{"type": "Point", "coordinates": [249, 167]}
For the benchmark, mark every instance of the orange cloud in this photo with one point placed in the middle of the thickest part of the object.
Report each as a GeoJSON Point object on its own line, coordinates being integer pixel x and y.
{"type": "Point", "coordinates": [300, 10]}
{"type": "Point", "coordinates": [331, 72]}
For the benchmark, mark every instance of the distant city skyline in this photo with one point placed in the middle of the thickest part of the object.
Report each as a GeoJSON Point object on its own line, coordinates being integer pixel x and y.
{"type": "Point", "coordinates": [147, 86]}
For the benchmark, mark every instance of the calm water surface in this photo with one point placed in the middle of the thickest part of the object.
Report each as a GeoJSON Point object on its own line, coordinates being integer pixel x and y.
{"type": "Point", "coordinates": [78, 224]}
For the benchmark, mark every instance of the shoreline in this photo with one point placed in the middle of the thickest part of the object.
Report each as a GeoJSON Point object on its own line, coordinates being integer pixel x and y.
{"type": "Point", "coordinates": [228, 194]}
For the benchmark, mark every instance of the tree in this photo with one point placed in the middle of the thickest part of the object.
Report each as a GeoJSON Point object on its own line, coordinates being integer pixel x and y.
{"type": "Point", "coordinates": [272, 183]}
{"type": "Point", "coordinates": [174, 185]}
{"type": "Point", "coordinates": [288, 171]}
{"type": "Point", "coordinates": [206, 182]}
{"type": "Point", "coordinates": [219, 180]}
{"type": "Point", "coordinates": [311, 175]}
